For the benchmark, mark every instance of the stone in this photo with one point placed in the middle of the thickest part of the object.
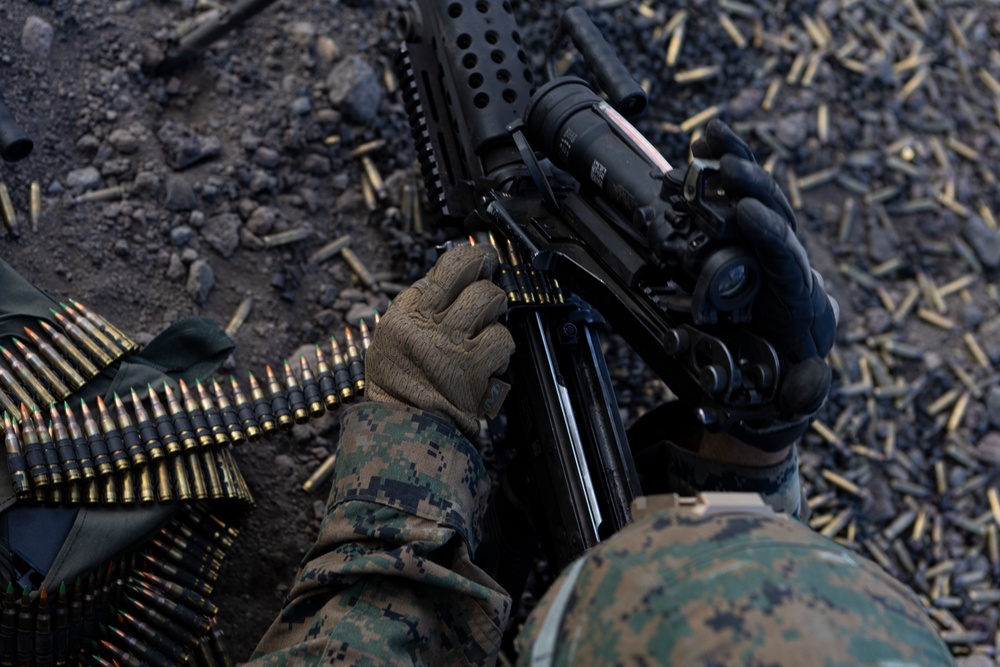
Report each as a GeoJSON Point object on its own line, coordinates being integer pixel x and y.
{"type": "Point", "coordinates": [266, 157]}
{"type": "Point", "coordinates": [146, 184]}
{"type": "Point", "coordinates": [985, 241]}
{"type": "Point", "coordinates": [86, 178]}
{"type": "Point", "coordinates": [123, 141]}
{"type": "Point", "coordinates": [317, 165]}
{"type": "Point", "coordinates": [793, 129]}
{"type": "Point", "coordinates": [993, 406]}
{"type": "Point", "coordinates": [354, 87]}
{"type": "Point", "coordinates": [222, 232]}
{"type": "Point", "coordinates": [201, 280]}
{"type": "Point", "coordinates": [262, 220]}
{"type": "Point", "coordinates": [181, 235]}
{"type": "Point", "coordinates": [327, 49]}
{"type": "Point", "coordinates": [180, 194]}
{"type": "Point", "coordinates": [358, 312]}
{"type": "Point", "coordinates": [987, 449]}
{"type": "Point", "coordinates": [176, 269]}
{"type": "Point", "coordinates": [185, 147]}
{"type": "Point", "coordinates": [36, 38]}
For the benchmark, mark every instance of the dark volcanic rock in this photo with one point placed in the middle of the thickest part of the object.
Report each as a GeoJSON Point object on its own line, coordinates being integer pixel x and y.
{"type": "Point", "coordinates": [222, 232]}
{"type": "Point", "coordinates": [185, 147]}
{"type": "Point", "coordinates": [354, 87]}
{"type": "Point", "coordinates": [201, 280]}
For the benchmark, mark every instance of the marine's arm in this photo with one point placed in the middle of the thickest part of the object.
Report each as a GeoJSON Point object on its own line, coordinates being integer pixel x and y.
{"type": "Point", "coordinates": [390, 579]}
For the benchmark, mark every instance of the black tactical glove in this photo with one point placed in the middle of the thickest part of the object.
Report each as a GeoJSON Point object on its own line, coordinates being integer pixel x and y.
{"type": "Point", "coordinates": [792, 310]}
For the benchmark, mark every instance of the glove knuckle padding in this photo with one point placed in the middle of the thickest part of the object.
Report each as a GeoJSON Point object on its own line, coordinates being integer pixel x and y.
{"type": "Point", "coordinates": [453, 272]}
{"type": "Point", "coordinates": [479, 305]}
{"type": "Point", "coordinates": [744, 179]}
{"type": "Point", "coordinates": [721, 140]}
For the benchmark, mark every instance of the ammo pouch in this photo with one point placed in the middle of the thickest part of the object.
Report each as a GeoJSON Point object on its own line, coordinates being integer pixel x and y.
{"type": "Point", "coordinates": [74, 527]}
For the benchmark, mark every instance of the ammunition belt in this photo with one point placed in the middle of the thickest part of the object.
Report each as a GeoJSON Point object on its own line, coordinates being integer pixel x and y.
{"type": "Point", "coordinates": [149, 607]}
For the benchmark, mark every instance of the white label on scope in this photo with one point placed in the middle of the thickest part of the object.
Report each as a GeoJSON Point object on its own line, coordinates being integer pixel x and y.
{"type": "Point", "coordinates": [638, 141]}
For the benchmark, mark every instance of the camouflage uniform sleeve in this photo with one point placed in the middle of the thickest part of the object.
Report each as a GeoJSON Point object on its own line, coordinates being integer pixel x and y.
{"type": "Point", "coordinates": [390, 580]}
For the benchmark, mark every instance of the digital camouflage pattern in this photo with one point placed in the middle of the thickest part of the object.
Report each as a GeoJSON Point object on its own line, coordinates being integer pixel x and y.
{"type": "Point", "coordinates": [390, 579]}
{"type": "Point", "coordinates": [728, 589]}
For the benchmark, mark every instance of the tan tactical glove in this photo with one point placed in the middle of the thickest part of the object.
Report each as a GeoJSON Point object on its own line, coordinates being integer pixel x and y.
{"type": "Point", "coordinates": [439, 343]}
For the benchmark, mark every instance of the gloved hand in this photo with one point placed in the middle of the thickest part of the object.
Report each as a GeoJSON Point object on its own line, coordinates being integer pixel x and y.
{"type": "Point", "coordinates": [439, 343]}
{"type": "Point", "coordinates": [792, 310]}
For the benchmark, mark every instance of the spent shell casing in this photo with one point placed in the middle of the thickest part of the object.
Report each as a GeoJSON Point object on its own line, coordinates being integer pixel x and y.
{"type": "Point", "coordinates": [311, 393]}
{"type": "Point", "coordinates": [240, 316]}
{"type": "Point", "coordinates": [95, 331]}
{"type": "Point", "coordinates": [330, 249]}
{"type": "Point", "coordinates": [78, 336]}
{"type": "Point", "coordinates": [374, 178]}
{"type": "Point", "coordinates": [355, 365]}
{"type": "Point", "coordinates": [16, 463]}
{"type": "Point", "coordinates": [68, 348]}
{"type": "Point", "coordinates": [279, 402]}
{"type": "Point", "coordinates": [261, 407]}
{"type": "Point", "coordinates": [296, 396]}
{"type": "Point", "coordinates": [42, 369]}
{"type": "Point", "coordinates": [148, 434]}
{"type": "Point", "coordinates": [35, 209]}
{"type": "Point", "coordinates": [35, 385]}
{"type": "Point", "coordinates": [341, 376]}
{"type": "Point", "coordinates": [245, 411]}
{"type": "Point", "coordinates": [230, 417]}
{"type": "Point", "coordinates": [324, 470]}
{"type": "Point", "coordinates": [327, 385]}
{"type": "Point", "coordinates": [359, 269]}
{"type": "Point", "coordinates": [112, 437]}
{"type": "Point", "coordinates": [9, 214]}
{"type": "Point", "coordinates": [129, 434]}
{"type": "Point", "coordinates": [216, 425]}
{"type": "Point", "coordinates": [64, 445]}
{"type": "Point", "coordinates": [197, 416]}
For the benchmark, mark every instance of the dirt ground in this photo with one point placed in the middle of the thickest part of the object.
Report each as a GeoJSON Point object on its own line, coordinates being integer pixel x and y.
{"type": "Point", "coordinates": [894, 178]}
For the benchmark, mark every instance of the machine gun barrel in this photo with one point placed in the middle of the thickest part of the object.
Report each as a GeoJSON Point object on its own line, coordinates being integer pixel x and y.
{"type": "Point", "coordinates": [14, 141]}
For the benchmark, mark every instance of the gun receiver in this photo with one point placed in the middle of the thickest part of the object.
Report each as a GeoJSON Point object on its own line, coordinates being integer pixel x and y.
{"type": "Point", "coordinates": [14, 142]}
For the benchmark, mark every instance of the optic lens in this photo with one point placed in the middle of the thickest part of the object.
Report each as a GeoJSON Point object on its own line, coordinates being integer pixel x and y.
{"type": "Point", "coordinates": [732, 282]}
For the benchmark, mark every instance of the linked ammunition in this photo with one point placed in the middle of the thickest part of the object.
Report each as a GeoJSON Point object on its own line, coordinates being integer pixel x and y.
{"type": "Point", "coordinates": [279, 403]}
{"type": "Point", "coordinates": [40, 367]}
{"type": "Point", "coordinates": [63, 444]}
{"type": "Point", "coordinates": [76, 618]}
{"type": "Point", "coordinates": [8, 628]}
{"type": "Point", "coordinates": [262, 407]}
{"type": "Point", "coordinates": [203, 651]}
{"type": "Point", "coordinates": [34, 455]}
{"type": "Point", "coordinates": [327, 385]}
{"type": "Point", "coordinates": [186, 596]}
{"type": "Point", "coordinates": [154, 450]}
{"type": "Point", "coordinates": [94, 329]}
{"type": "Point", "coordinates": [164, 424]}
{"type": "Point", "coordinates": [182, 440]}
{"type": "Point", "coordinates": [198, 420]}
{"type": "Point", "coordinates": [60, 645]}
{"type": "Point", "coordinates": [366, 337]}
{"type": "Point", "coordinates": [216, 425]}
{"type": "Point", "coordinates": [245, 411]}
{"type": "Point", "coordinates": [296, 397]}
{"type": "Point", "coordinates": [126, 431]}
{"type": "Point", "coordinates": [137, 653]}
{"type": "Point", "coordinates": [341, 376]}
{"type": "Point", "coordinates": [505, 276]}
{"type": "Point", "coordinates": [174, 651]}
{"type": "Point", "coordinates": [80, 337]}
{"type": "Point", "coordinates": [7, 404]}
{"type": "Point", "coordinates": [25, 630]}
{"type": "Point", "coordinates": [120, 338]}
{"type": "Point", "coordinates": [228, 415]}
{"type": "Point", "coordinates": [207, 568]}
{"type": "Point", "coordinates": [66, 346]}
{"type": "Point", "coordinates": [21, 396]}
{"type": "Point", "coordinates": [175, 611]}
{"type": "Point", "coordinates": [182, 422]}
{"type": "Point", "coordinates": [43, 653]}
{"type": "Point", "coordinates": [179, 575]}
{"type": "Point", "coordinates": [219, 646]}
{"type": "Point", "coordinates": [113, 438]}
{"type": "Point", "coordinates": [22, 372]}
{"type": "Point", "coordinates": [127, 487]}
{"type": "Point", "coordinates": [355, 366]}
{"type": "Point", "coordinates": [311, 393]}
{"type": "Point", "coordinates": [15, 460]}
{"type": "Point", "coordinates": [520, 275]}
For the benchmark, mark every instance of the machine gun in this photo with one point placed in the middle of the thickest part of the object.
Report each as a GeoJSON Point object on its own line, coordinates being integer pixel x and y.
{"type": "Point", "coordinates": [14, 142]}
{"type": "Point", "coordinates": [651, 250]}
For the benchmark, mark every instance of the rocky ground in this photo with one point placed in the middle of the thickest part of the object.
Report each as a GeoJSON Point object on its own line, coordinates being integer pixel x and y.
{"type": "Point", "coordinates": [879, 118]}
